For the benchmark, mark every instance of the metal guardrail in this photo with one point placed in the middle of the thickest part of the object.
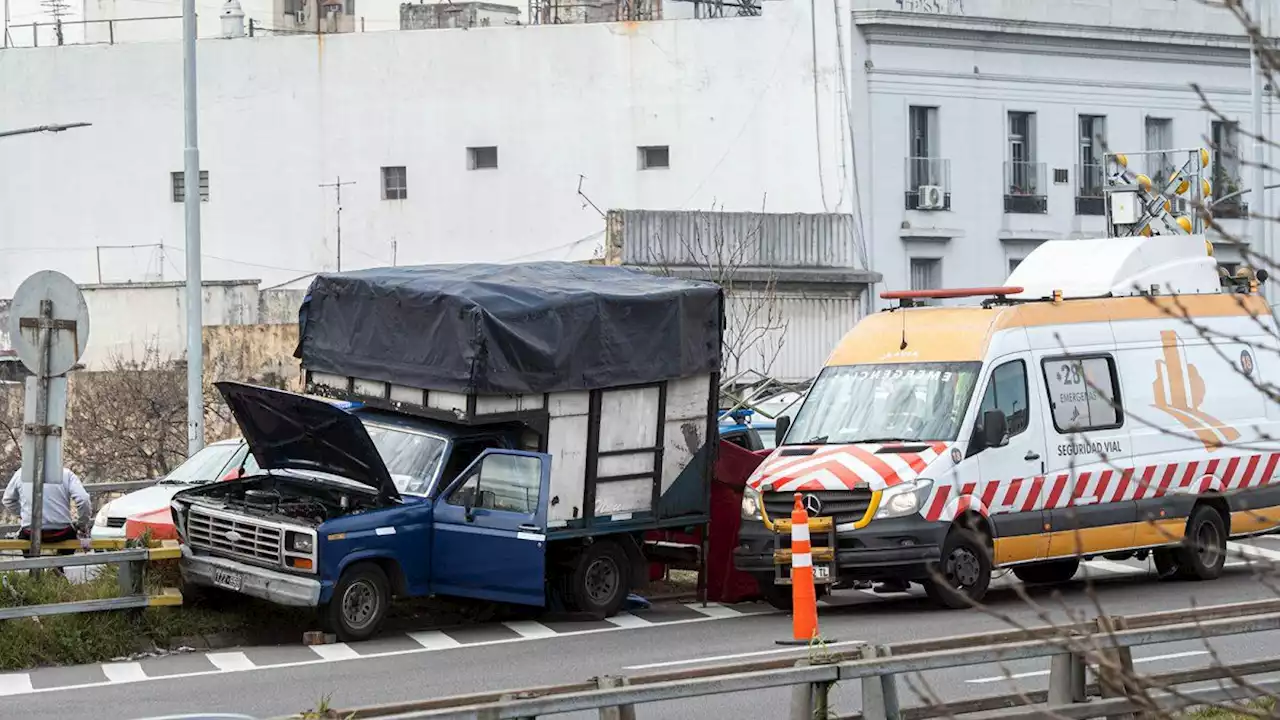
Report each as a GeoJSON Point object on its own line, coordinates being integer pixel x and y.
{"type": "Point", "coordinates": [97, 492]}
{"type": "Point", "coordinates": [131, 574]}
{"type": "Point", "coordinates": [1104, 643]}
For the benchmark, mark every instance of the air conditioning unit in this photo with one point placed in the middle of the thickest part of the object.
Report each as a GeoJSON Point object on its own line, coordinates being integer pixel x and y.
{"type": "Point", "coordinates": [931, 198]}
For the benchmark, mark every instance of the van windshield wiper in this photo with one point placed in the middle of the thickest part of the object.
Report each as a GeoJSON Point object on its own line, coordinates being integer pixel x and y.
{"type": "Point", "coordinates": [885, 440]}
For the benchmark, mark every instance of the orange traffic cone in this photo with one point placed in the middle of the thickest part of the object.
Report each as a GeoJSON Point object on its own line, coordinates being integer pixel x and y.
{"type": "Point", "coordinates": [804, 599]}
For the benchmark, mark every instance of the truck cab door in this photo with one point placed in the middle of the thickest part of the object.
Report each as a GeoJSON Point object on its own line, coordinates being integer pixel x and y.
{"type": "Point", "coordinates": [1015, 468]}
{"type": "Point", "coordinates": [489, 532]}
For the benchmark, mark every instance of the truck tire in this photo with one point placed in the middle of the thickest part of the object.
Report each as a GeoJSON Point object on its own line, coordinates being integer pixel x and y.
{"type": "Point", "coordinates": [961, 579]}
{"type": "Point", "coordinates": [1047, 573]}
{"type": "Point", "coordinates": [359, 603]}
{"type": "Point", "coordinates": [600, 580]}
{"type": "Point", "coordinates": [1167, 565]}
{"type": "Point", "coordinates": [1204, 547]}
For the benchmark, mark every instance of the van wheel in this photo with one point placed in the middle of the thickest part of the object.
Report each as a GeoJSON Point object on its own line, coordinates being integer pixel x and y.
{"type": "Point", "coordinates": [1204, 548]}
{"type": "Point", "coordinates": [1045, 573]}
{"type": "Point", "coordinates": [962, 578]}
{"type": "Point", "coordinates": [600, 580]}
{"type": "Point", "coordinates": [359, 603]}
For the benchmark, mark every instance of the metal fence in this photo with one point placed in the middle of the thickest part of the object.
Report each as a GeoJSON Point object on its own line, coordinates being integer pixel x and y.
{"type": "Point", "coordinates": [100, 493]}
{"type": "Point", "coordinates": [1104, 643]}
{"type": "Point", "coordinates": [131, 575]}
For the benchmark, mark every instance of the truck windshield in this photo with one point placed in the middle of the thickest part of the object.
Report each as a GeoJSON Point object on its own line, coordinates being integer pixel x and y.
{"type": "Point", "coordinates": [885, 403]}
{"type": "Point", "coordinates": [413, 458]}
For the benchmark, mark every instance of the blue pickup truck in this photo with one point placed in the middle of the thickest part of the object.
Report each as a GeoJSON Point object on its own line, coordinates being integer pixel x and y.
{"type": "Point", "coordinates": [492, 432]}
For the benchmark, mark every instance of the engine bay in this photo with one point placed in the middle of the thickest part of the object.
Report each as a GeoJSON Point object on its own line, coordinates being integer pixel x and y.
{"type": "Point", "coordinates": [280, 497]}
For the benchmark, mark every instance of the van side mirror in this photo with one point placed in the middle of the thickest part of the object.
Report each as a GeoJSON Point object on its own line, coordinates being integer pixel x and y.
{"type": "Point", "coordinates": [995, 429]}
{"type": "Point", "coordinates": [781, 425]}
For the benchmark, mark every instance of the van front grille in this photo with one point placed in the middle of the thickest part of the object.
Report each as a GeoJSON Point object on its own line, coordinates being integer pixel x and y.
{"type": "Point", "coordinates": [843, 506]}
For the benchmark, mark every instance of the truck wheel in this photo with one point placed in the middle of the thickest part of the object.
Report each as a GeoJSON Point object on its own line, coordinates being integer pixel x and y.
{"type": "Point", "coordinates": [359, 603]}
{"type": "Point", "coordinates": [1045, 573]}
{"type": "Point", "coordinates": [961, 579]}
{"type": "Point", "coordinates": [601, 579]}
{"type": "Point", "coordinates": [1167, 567]}
{"type": "Point", "coordinates": [1204, 547]}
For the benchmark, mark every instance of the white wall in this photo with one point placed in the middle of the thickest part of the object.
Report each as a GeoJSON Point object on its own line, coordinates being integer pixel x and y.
{"type": "Point", "coordinates": [733, 99]}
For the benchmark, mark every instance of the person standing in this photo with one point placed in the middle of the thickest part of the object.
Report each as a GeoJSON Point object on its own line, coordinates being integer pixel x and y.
{"type": "Point", "coordinates": [57, 524]}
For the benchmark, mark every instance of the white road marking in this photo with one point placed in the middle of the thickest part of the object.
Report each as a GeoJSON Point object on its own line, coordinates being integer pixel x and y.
{"type": "Point", "coordinates": [713, 610]}
{"type": "Point", "coordinates": [434, 640]}
{"type": "Point", "coordinates": [1114, 567]}
{"type": "Point", "coordinates": [628, 621]}
{"type": "Point", "coordinates": [230, 661]}
{"type": "Point", "coordinates": [1252, 553]}
{"type": "Point", "coordinates": [530, 629]}
{"type": "Point", "coordinates": [15, 684]}
{"type": "Point", "coordinates": [737, 656]}
{"type": "Point", "coordinates": [336, 651]}
{"type": "Point", "coordinates": [123, 672]}
{"type": "Point", "coordinates": [1038, 673]}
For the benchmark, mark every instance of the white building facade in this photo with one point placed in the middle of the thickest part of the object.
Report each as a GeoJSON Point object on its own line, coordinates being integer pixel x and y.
{"type": "Point", "coordinates": [504, 144]}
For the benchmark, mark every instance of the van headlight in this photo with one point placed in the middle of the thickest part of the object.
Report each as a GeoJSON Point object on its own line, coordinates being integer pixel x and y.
{"type": "Point", "coordinates": [751, 503]}
{"type": "Point", "coordinates": [903, 499]}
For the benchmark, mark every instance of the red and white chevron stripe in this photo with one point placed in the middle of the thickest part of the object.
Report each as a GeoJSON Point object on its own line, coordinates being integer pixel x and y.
{"type": "Point", "coordinates": [843, 467]}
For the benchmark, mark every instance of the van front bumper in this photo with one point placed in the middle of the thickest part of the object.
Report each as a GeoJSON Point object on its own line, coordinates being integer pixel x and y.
{"type": "Point", "coordinates": [896, 549]}
{"type": "Point", "coordinates": [270, 585]}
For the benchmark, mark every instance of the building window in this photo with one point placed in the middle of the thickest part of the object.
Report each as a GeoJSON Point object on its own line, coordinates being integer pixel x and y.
{"type": "Point", "coordinates": [1159, 137]}
{"type": "Point", "coordinates": [1226, 170]}
{"type": "Point", "coordinates": [395, 183]}
{"type": "Point", "coordinates": [482, 158]}
{"type": "Point", "coordinates": [928, 175]}
{"type": "Point", "coordinates": [1091, 172]}
{"type": "Point", "coordinates": [1024, 177]}
{"type": "Point", "coordinates": [926, 274]}
{"type": "Point", "coordinates": [178, 183]}
{"type": "Point", "coordinates": [1013, 264]}
{"type": "Point", "coordinates": [654, 156]}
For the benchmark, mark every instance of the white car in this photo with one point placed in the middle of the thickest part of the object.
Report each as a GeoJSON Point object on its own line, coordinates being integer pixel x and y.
{"type": "Point", "coordinates": [211, 464]}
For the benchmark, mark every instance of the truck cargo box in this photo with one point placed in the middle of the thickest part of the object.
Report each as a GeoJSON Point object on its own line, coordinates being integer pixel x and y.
{"type": "Point", "coordinates": [614, 369]}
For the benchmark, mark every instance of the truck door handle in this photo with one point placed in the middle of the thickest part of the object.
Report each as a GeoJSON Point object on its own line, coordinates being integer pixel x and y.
{"type": "Point", "coordinates": [1031, 455]}
{"type": "Point", "coordinates": [529, 528]}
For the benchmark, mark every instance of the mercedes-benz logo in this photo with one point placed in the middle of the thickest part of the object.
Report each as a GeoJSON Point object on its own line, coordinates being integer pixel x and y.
{"type": "Point", "coordinates": [812, 505]}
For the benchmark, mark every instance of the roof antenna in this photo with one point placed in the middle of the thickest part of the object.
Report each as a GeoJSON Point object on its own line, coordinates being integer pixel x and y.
{"type": "Point", "coordinates": [903, 346]}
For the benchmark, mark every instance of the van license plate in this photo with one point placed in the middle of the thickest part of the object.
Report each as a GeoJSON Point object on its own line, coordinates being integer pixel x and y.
{"type": "Point", "coordinates": [227, 579]}
{"type": "Point", "coordinates": [821, 572]}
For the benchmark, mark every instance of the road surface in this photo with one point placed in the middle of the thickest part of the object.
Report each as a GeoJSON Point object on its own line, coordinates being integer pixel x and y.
{"type": "Point", "coordinates": [272, 681]}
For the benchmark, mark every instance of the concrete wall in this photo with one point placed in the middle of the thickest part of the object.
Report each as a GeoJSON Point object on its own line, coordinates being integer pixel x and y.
{"type": "Point", "coordinates": [732, 98]}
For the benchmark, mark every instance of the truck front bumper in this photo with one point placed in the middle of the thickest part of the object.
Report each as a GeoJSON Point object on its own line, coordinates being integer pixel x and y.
{"type": "Point", "coordinates": [270, 585]}
{"type": "Point", "coordinates": [897, 549]}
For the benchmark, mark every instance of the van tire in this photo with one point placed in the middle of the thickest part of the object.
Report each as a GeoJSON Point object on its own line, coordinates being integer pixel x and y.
{"type": "Point", "coordinates": [1047, 573]}
{"type": "Point", "coordinates": [961, 577]}
{"type": "Point", "coordinates": [600, 580]}
{"type": "Point", "coordinates": [359, 604]}
{"type": "Point", "coordinates": [1204, 547]}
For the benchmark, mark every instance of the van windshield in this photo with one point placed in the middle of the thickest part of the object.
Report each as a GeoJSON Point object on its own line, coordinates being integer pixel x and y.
{"type": "Point", "coordinates": [885, 403]}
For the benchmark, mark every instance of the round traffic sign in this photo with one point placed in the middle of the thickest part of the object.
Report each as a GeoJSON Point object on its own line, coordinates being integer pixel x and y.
{"type": "Point", "coordinates": [69, 329]}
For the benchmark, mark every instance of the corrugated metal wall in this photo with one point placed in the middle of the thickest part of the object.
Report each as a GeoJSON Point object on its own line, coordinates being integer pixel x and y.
{"type": "Point", "coordinates": [786, 335]}
{"type": "Point", "coordinates": [736, 239]}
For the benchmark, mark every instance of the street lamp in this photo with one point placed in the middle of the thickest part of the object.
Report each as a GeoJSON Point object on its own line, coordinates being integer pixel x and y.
{"type": "Point", "coordinates": [43, 128]}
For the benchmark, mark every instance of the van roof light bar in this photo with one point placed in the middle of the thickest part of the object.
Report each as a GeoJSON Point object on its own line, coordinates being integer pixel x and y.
{"type": "Point", "coordinates": [948, 294]}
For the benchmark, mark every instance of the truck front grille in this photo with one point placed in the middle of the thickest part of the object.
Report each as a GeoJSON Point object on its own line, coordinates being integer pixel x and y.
{"type": "Point", "coordinates": [234, 536]}
{"type": "Point", "coordinates": [843, 506]}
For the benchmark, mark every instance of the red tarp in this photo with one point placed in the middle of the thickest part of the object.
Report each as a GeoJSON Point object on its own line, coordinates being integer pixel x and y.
{"type": "Point", "coordinates": [724, 584]}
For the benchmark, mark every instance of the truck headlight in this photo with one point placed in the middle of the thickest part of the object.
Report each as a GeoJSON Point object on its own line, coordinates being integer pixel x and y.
{"type": "Point", "coordinates": [100, 520]}
{"type": "Point", "coordinates": [903, 499]}
{"type": "Point", "coordinates": [751, 504]}
{"type": "Point", "coordinates": [301, 542]}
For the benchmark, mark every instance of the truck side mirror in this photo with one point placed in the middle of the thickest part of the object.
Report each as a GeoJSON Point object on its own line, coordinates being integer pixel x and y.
{"type": "Point", "coordinates": [995, 429]}
{"type": "Point", "coordinates": [781, 425]}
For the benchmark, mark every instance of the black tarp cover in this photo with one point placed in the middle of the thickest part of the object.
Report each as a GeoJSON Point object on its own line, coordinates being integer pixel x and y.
{"type": "Point", "coordinates": [495, 329]}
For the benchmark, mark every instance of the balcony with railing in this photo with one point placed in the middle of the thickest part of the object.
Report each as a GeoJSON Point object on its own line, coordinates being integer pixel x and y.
{"type": "Point", "coordinates": [1090, 198]}
{"type": "Point", "coordinates": [1025, 188]}
{"type": "Point", "coordinates": [1226, 202]}
{"type": "Point", "coordinates": [928, 183]}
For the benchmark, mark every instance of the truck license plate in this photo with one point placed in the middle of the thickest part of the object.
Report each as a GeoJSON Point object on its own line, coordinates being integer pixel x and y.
{"type": "Point", "coordinates": [821, 572]}
{"type": "Point", "coordinates": [227, 579]}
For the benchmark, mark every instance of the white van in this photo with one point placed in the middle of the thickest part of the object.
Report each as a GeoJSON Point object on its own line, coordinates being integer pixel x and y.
{"type": "Point", "coordinates": [1105, 403]}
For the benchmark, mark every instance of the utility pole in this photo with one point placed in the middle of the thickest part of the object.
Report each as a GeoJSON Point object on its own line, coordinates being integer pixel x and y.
{"type": "Point", "coordinates": [191, 204]}
{"type": "Point", "coordinates": [338, 187]}
{"type": "Point", "coordinates": [1257, 213]}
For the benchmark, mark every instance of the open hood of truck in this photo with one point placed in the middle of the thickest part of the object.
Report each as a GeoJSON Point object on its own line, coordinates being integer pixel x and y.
{"type": "Point", "coordinates": [286, 431]}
